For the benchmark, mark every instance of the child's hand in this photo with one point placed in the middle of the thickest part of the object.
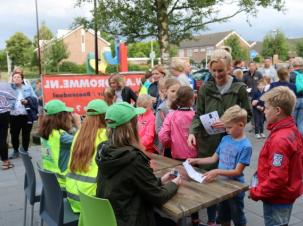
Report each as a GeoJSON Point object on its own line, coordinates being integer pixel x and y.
{"type": "Point", "coordinates": [192, 161]}
{"type": "Point", "coordinates": [191, 140]}
{"type": "Point", "coordinates": [211, 175]}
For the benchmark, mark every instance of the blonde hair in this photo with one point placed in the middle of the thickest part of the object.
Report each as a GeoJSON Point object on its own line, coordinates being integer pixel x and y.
{"type": "Point", "coordinates": [238, 73]}
{"type": "Point", "coordinates": [267, 79]}
{"type": "Point", "coordinates": [159, 68]}
{"type": "Point", "coordinates": [234, 114]}
{"type": "Point", "coordinates": [296, 62]}
{"type": "Point", "coordinates": [109, 95]}
{"type": "Point", "coordinates": [178, 65]}
{"type": "Point", "coordinates": [221, 55]}
{"type": "Point", "coordinates": [118, 79]}
{"type": "Point", "coordinates": [281, 97]}
{"type": "Point", "coordinates": [145, 101]}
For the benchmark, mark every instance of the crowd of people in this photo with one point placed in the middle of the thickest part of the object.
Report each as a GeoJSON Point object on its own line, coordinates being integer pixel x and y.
{"type": "Point", "coordinates": [105, 155]}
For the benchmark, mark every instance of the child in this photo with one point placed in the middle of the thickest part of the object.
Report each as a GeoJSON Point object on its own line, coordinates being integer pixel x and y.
{"type": "Point", "coordinates": [175, 128]}
{"type": "Point", "coordinates": [82, 168]}
{"type": "Point", "coordinates": [109, 96]}
{"type": "Point", "coordinates": [146, 122]}
{"type": "Point", "coordinates": [124, 176]}
{"type": "Point", "coordinates": [56, 139]}
{"type": "Point", "coordinates": [280, 161]}
{"type": "Point", "coordinates": [258, 109]}
{"type": "Point", "coordinates": [171, 87]}
{"type": "Point", "coordinates": [233, 153]}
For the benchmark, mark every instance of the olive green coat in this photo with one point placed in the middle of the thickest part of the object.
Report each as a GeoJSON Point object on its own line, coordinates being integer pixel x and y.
{"type": "Point", "coordinates": [210, 99]}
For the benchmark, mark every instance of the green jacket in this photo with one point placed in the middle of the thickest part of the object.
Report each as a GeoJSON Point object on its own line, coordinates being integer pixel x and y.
{"type": "Point", "coordinates": [126, 179]}
{"type": "Point", "coordinates": [210, 99]}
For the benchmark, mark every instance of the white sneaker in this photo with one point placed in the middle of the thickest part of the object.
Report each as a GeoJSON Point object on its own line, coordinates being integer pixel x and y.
{"type": "Point", "coordinates": [263, 135]}
{"type": "Point", "coordinates": [258, 136]}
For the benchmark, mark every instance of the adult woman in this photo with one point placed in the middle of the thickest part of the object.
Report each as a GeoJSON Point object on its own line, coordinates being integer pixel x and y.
{"type": "Point", "coordinates": [125, 176]}
{"type": "Point", "coordinates": [217, 94]}
{"type": "Point", "coordinates": [82, 169]}
{"type": "Point", "coordinates": [122, 92]}
{"type": "Point", "coordinates": [7, 101]}
{"type": "Point", "coordinates": [56, 139]}
{"type": "Point", "coordinates": [23, 114]}
{"type": "Point", "coordinates": [153, 89]}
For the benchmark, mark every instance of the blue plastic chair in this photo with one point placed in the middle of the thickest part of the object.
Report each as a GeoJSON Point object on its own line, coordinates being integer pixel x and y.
{"type": "Point", "coordinates": [54, 209]}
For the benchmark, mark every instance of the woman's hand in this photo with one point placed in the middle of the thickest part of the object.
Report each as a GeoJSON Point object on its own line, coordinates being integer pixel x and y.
{"type": "Point", "coordinates": [191, 140]}
{"type": "Point", "coordinates": [211, 175]}
{"type": "Point", "coordinates": [177, 180]}
{"type": "Point", "coordinates": [254, 102]}
{"type": "Point", "coordinates": [218, 125]}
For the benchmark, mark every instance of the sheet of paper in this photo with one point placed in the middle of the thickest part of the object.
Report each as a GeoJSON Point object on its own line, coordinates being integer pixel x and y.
{"type": "Point", "coordinates": [192, 173]}
{"type": "Point", "coordinates": [248, 90]}
{"type": "Point", "coordinates": [208, 119]}
{"type": "Point", "coordinates": [254, 181]}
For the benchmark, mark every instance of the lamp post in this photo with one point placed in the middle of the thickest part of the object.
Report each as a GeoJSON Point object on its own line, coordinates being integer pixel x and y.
{"type": "Point", "coordinates": [96, 39]}
{"type": "Point", "coordinates": [38, 39]}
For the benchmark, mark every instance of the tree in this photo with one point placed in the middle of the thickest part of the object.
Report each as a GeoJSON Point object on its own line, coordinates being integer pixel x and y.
{"type": "Point", "coordinates": [19, 49]}
{"type": "Point", "coordinates": [44, 34]}
{"type": "Point", "coordinates": [3, 60]}
{"type": "Point", "coordinates": [169, 20]}
{"type": "Point", "coordinates": [299, 48]}
{"type": "Point", "coordinates": [53, 54]}
{"type": "Point", "coordinates": [238, 52]}
{"type": "Point", "coordinates": [275, 44]}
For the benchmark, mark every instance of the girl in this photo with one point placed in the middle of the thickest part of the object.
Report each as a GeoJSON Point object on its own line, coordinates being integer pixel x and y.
{"type": "Point", "coordinates": [171, 87]}
{"type": "Point", "coordinates": [153, 89]}
{"type": "Point", "coordinates": [178, 70]}
{"type": "Point", "coordinates": [125, 177]}
{"type": "Point", "coordinates": [56, 140]}
{"type": "Point", "coordinates": [82, 169]}
{"type": "Point", "coordinates": [146, 122]}
{"type": "Point", "coordinates": [109, 96]}
{"type": "Point", "coordinates": [175, 129]}
{"type": "Point", "coordinates": [19, 116]}
{"type": "Point", "coordinates": [122, 92]}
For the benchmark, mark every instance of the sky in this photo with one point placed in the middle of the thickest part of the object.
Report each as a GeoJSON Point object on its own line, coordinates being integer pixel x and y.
{"type": "Point", "coordinates": [19, 15]}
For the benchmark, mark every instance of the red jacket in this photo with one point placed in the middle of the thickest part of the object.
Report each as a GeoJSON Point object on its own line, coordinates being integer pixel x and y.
{"type": "Point", "coordinates": [280, 165]}
{"type": "Point", "coordinates": [146, 126]}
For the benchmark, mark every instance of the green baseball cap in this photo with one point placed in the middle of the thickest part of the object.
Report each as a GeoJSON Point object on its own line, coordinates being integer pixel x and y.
{"type": "Point", "coordinates": [56, 106]}
{"type": "Point", "coordinates": [98, 106]}
{"type": "Point", "coordinates": [121, 113]}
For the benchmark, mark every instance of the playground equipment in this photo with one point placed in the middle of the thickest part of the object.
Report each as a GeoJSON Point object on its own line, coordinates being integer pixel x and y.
{"type": "Point", "coordinates": [106, 58]}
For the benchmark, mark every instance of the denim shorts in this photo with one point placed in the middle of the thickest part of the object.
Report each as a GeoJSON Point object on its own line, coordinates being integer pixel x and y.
{"type": "Point", "coordinates": [232, 209]}
{"type": "Point", "coordinates": [276, 214]}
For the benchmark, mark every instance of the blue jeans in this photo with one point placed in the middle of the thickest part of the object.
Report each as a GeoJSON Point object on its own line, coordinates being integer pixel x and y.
{"type": "Point", "coordinates": [232, 209]}
{"type": "Point", "coordinates": [276, 214]}
{"type": "Point", "coordinates": [298, 114]}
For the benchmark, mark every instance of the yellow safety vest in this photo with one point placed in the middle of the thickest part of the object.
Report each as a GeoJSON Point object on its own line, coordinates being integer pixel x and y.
{"type": "Point", "coordinates": [50, 154]}
{"type": "Point", "coordinates": [81, 181]}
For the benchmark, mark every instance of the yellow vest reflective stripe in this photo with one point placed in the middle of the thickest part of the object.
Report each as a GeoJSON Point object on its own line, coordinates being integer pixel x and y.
{"type": "Point", "coordinates": [81, 181]}
{"type": "Point", "coordinates": [50, 154]}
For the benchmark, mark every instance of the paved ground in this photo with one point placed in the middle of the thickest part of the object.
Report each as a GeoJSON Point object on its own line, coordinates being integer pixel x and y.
{"type": "Point", "coordinates": [12, 198]}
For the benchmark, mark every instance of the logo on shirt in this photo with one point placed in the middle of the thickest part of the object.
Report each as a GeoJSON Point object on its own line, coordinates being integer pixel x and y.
{"type": "Point", "coordinates": [278, 158]}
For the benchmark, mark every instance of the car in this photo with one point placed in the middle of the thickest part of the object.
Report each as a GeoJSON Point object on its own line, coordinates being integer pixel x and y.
{"type": "Point", "coordinates": [200, 77]}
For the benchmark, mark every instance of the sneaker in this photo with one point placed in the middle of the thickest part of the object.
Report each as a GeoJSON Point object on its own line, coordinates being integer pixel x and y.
{"type": "Point", "coordinates": [263, 135]}
{"type": "Point", "coordinates": [14, 155]}
{"type": "Point", "coordinates": [258, 136]}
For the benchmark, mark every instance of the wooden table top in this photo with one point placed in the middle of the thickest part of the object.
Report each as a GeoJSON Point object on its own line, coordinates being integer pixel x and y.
{"type": "Point", "coordinates": [193, 196]}
{"type": "Point", "coordinates": [159, 162]}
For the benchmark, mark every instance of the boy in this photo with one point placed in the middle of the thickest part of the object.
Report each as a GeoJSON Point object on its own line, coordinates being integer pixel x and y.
{"type": "Point", "coordinates": [280, 170]}
{"type": "Point", "coordinates": [258, 108]}
{"type": "Point", "coordinates": [233, 153]}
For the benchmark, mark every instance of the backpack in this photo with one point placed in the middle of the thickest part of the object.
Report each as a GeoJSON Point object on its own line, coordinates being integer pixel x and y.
{"type": "Point", "coordinates": [299, 81]}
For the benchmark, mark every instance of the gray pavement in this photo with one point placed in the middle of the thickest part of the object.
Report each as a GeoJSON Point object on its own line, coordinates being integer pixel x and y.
{"type": "Point", "coordinates": [12, 195]}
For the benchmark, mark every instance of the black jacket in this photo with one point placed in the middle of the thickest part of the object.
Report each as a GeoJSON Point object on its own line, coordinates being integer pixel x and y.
{"type": "Point", "coordinates": [126, 179]}
{"type": "Point", "coordinates": [128, 95]}
{"type": "Point", "coordinates": [31, 109]}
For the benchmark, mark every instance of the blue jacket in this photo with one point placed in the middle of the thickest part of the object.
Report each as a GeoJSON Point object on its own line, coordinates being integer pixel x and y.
{"type": "Point", "coordinates": [284, 83]}
{"type": "Point", "coordinates": [256, 95]}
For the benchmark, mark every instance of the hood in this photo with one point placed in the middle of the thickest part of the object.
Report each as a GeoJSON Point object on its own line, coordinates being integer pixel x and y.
{"type": "Point", "coordinates": [111, 160]}
{"type": "Point", "coordinates": [236, 85]}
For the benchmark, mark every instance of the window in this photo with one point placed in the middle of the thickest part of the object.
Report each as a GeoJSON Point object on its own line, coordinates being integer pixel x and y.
{"type": "Point", "coordinates": [189, 52]}
{"type": "Point", "coordinates": [196, 50]}
{"type": "Point", "coordinates": [181, 52]}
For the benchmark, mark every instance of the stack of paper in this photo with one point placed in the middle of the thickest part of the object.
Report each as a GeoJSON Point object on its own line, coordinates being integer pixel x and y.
{"type": "Point", "coordinates": [192, 173]}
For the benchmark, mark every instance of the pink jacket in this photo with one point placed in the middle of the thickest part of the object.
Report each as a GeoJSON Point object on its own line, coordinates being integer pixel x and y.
{"type": "Point", "coordinates": [174, 133]}
{"type": "Point", "coordinates": [146, 126]}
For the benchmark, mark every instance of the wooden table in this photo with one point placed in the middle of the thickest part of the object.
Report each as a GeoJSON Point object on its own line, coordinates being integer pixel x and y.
{"type": "Point", "coordinates": [159, 162]}
{"type": "Point", "coordinates": [193, 196]}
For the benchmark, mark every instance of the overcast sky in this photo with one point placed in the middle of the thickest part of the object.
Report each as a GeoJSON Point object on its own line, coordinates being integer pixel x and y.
{"type": "Point", "coordinates": [19, 15]}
